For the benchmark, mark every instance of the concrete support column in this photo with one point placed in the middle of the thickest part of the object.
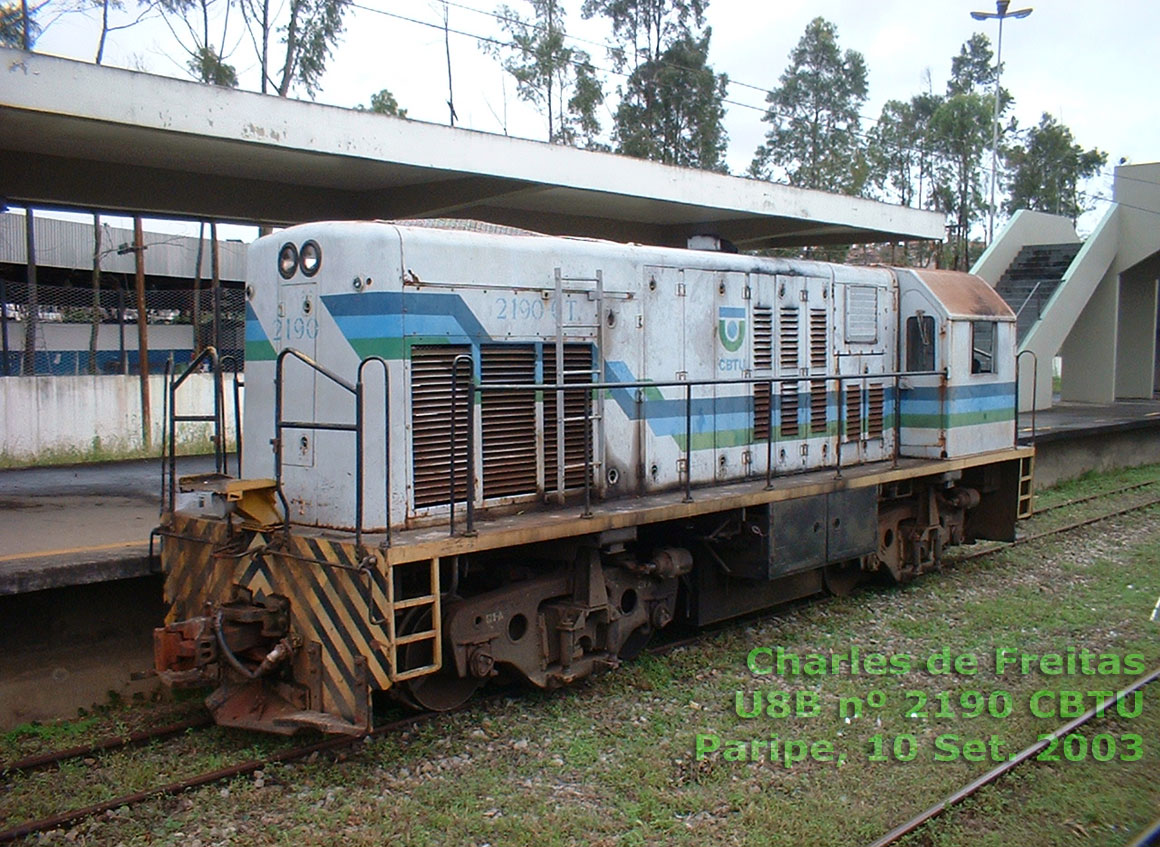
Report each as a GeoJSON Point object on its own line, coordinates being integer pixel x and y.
{"type": "Point", "coordinates": [1136, 336]}
{"type": "Point", "coordinates": [1089, 353]}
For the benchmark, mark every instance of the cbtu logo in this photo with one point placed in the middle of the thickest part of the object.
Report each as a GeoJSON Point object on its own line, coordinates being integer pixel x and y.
{"type": "Point", "coordinates": [731, 327]}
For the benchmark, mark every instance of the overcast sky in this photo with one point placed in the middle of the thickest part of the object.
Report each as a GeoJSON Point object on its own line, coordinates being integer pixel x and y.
{"type": "Point", "coordinates": [1087, 64]}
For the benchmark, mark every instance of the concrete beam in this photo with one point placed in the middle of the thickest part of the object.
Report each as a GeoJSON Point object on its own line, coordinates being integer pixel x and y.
{"type": "Point", "coordinates": [74, 134]}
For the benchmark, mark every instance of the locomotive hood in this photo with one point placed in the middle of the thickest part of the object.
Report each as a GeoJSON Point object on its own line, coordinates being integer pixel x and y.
{"type": "Point", "coordinates": [964, 296]}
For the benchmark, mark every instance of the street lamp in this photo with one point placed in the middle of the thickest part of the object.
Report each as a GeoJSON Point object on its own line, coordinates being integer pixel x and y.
{"type": "Point", "coordinates": [1001, 13]}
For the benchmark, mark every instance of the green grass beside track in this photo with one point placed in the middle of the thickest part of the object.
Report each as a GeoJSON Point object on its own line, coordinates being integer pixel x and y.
{"type": "Point", "coordinates": [612, 760]}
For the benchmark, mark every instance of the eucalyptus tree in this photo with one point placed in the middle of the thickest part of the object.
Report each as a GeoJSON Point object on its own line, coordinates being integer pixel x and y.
{"type": "Point", "coordinates": [1047, 168]}
{"type": "Point", "coordinates": [815, 134]}
{"type": "Point", "coordinates": [558, 80]}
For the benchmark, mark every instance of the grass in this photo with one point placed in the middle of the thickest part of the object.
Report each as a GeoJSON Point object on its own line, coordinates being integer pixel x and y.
{"type": "Point", "coordinates": [612, 760]}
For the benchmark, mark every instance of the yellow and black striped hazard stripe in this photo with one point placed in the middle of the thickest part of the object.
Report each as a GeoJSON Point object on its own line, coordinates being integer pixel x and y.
{"type": "Point", "coordinates": [193, 576]}
{"type": "Point", "coordinates": [329, 605]}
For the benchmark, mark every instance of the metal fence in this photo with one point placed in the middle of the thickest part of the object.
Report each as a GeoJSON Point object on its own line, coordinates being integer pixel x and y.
{"type": "Point", "coordinates": [72, 330]}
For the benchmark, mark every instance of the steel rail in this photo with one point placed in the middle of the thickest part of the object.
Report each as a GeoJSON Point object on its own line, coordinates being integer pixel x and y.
{"type": "Point", "coordinates": [999, 770]}
{"type": "Point", "coordinates": [43, 760]}
{"type": "Point", "coordinates": [1077, 500]}
{"type": "Point", "coordinates": [1026, 539]}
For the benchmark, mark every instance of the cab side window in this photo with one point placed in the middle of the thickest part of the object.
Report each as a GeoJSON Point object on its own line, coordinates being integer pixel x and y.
{"type": "Point", "coordinates": [982, 347]}
{"type": "Point", "coordinates": [920, 343]}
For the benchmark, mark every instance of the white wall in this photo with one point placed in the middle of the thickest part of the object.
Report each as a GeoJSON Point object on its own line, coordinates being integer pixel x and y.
{"type": "Point", "coordinates": [49, 419]}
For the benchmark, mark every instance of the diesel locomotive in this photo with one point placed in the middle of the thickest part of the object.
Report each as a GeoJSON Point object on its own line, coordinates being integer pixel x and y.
{"type": "Point", "coordinates": [476, 452]}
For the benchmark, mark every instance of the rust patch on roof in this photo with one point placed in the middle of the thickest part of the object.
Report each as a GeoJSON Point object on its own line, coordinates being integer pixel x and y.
{"type": "Point", "coordinates": [965, 295]}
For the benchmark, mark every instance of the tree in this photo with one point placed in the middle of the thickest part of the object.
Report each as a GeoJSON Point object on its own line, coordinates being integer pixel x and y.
{"type": "Point", "coordinates": [308, 36]}
{"type": "Point", "coordinates": [309, 31]}
{"type": "Point", "coordinates": [815, 116]}
{"type": "Point", "coordinates": [961, 130]}
{"type": "Point", "coordinates": [671, 109]}
{"type": "Point", "coordinates": [558, 80]}
{"type": "Point", "coordinates": [12, 25]}
{"type": "Point", "coordinates": [1047, 169]}
{"type": "Point", "coordinates": [644, 29]}
{"type": "Point", "coordinates": [384, 103]}
{"type": "Point", "coordinates": [207, 59]}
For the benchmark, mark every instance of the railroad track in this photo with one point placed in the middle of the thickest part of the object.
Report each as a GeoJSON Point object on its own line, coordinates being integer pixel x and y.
{"type": "Point", "coordinates": [1028, 753]}
{"type": "Point", "coordinates": [333, 744]}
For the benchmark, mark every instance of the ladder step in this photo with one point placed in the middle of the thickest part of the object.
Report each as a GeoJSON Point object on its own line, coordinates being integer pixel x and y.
{"type": "Point", "coordinates": [425, 600]}
{"type": "Point", "coordinates": [580, 418]}
{"type": "Point", "coordinates": [426, 635]}
{"type": "Point", "coordinates": [578, 373]}
{"type": "Point", "coordinates": [580, 466]}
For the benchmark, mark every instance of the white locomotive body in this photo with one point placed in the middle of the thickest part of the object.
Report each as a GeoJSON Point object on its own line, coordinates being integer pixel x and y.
{"type": "Point", "coordinates": [740, 430]}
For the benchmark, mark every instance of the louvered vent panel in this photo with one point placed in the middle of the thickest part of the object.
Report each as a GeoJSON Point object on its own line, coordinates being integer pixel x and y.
{"type": "Point", "coordinates": [818, 341]}
{"type": "Point", "coordinates": [761, 403]}
{"type": "Point", "coordinates": [875, 403]}
{"type": "Point", "coordinates": [862, 313]}
{"type": "Point", "coordinates": [788, 337]}
{"type": "Point", "coordinates": [431, 425]}
{"type": "Point", "coordinates": [818, 407]}
{"type": "Point", "coordinates": [577, 358]}
{"type": "Point", "coordinates": [790, 428]}
{"type": "Point", "coordinates": [508, 420]}
{"type": "Point", "coordinates": [762, 337]}
{"type": "Point", "coordinates": [853, 412]}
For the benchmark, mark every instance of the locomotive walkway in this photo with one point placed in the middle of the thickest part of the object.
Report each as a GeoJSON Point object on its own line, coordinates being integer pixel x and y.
{"type": "Point", "coordinates": [81, 524]}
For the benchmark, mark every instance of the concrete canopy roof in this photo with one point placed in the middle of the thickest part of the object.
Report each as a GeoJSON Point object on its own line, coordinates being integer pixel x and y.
{"type": "Point", "coordinates": [77, 135]}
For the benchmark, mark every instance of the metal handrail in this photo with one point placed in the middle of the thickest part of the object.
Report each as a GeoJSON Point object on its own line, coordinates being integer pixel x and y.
{"type": "Point", "coordinates": [209, 354]}
{"type": "Point", "coordinates": [469, 490]}
{"type": "Point", "coordinates": [1019, 311]}
{"type": "Point", "coordinates": [481, 387]}
{"type": "Point", "coordinates": [238, 384]}
{"type": "Point", "coordinates": [358, 427]}
{"type": "Point", "coordinates": [1034, 391]}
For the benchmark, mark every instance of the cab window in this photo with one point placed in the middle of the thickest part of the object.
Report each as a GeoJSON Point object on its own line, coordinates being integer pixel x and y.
{"type": "Point", "coordinates": [982, 347]}
{"type": "Point", "coordinates": [920, 343]}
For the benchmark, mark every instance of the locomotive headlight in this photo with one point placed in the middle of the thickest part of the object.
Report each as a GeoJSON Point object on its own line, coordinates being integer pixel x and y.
{"type": "Point", "coordinates": [287, 260]}
{"type": "Point", "coordinates": [310, 258]}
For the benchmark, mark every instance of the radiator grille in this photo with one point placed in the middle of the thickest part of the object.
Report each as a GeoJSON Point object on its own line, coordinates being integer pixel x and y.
{"type": "Point", "coordinates": [853, 412]}
{"type": "Point", "coordinates": [577, 364]}
{"type": "Point", "coordinates": [762, 337]}
{"type": "Point", "coordinates": [818, 339]}
{"type": "Point", "coordinates": [789, 411]}
{"type": "Point", "coordinates": [431, 425]}
{"type": "Point", "coordinates": [508, 420]}
{"type": "Point", "coordinates": [818, 407]}
{"type": "Point", "coordinates": [761, 404]}
{"type": "Point", "coordinates": [788, 337]}
{"type": "Point", "coordinates": [875, 402]}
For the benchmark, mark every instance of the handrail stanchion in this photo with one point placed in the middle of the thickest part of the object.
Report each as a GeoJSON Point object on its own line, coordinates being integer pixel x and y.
{"type": "Point", "coordinates": [688, 442]}
{"type": "Point", "coordinates": [164, 423]}
{"type": "Point", "coordinates": [462, 358]}
{"type": "Point", "coordinates": [1034, 390]}
{"type": "Point", "coordinates": [237, 385]}
{"type": "Point", "coordinates": [897, 418]}
{"type": "Point", "coordinates": [841, 417]}
{"type": "Point", "coordinates": [587, 452]}
{"type": "Point", "coordinates": [210, 354]}
{"type": "Point", "coordinates": [769, 435]}
{"type": "Point", "coordinates": [471, 390]}
{"type": "Point", "coordinates": [386, 439]}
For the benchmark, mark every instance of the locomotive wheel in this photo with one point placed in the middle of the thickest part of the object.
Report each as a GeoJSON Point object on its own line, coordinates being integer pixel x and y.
{"type": "Point", "coordinates": [441, 691]}
{"type": "Point", "coordinates": [842, 578]}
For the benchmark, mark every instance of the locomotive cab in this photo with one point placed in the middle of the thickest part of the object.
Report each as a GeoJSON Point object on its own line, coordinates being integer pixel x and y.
{"type": "Point", "coordinates": [957, 347]}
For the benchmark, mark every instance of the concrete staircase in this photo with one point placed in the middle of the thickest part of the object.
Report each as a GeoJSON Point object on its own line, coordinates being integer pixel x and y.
{"type": "Point", "coordinates": [1031, 279]}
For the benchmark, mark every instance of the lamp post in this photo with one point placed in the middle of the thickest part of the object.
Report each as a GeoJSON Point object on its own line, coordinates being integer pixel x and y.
{"type": "Point", "coordinates": [1001, 13]}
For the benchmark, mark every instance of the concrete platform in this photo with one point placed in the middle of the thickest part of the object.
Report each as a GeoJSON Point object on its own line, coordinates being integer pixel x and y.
{"type": "Point", "coordinates": [80, 524]}
{"type": "Point", "coordinates": [1074, 438]}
